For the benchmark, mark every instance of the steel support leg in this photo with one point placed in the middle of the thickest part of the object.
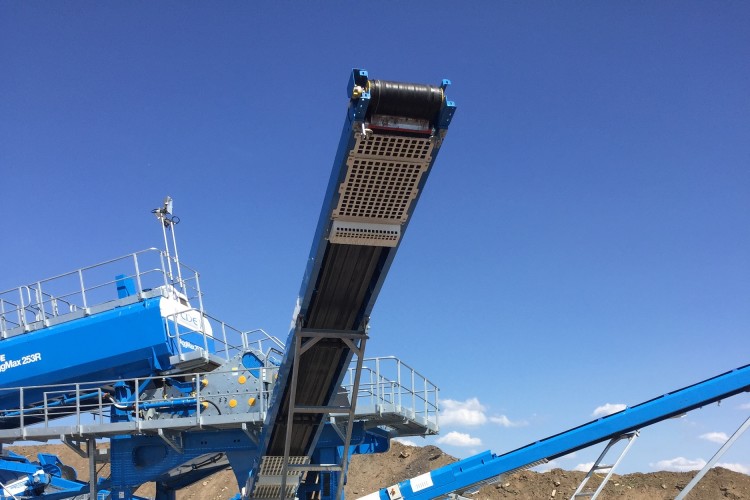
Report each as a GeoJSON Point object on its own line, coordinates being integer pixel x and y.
{"type": "Point", "coordinates": [91, 452]}
{"type": "Point", "coordinates": [359, 351]}
{"type": "Point", "coordinates": [597, 466]}
{"type": "Point", "coordinates": [728, 444]}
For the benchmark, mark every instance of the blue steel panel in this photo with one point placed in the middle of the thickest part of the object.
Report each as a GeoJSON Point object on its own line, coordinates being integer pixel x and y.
{"type": "Point", "coordinates": [125, 342]}
{"type": "Point", "coordinates": [142, 458]}
{"type": "Point", "coordinates": [125, 286]}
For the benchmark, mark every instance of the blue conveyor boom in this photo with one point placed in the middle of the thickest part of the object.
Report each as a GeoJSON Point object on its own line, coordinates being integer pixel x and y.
{"type": "Point", "coordinates": [469, 473]}
{"type": "Point", "coordinates": [390, 140]}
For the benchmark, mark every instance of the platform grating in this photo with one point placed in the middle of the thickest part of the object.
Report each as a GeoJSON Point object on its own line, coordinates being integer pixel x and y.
{"type": "Point", "coordinates": [378, 190]}
{"type": "Point", "coordinates": [274, 491]}
{"type": "Point", "coordinates": [272, 466]}
{"type": "Point", "coordinates": [393, 146]}
{"type": "Point", "coordinates": [360, 233]}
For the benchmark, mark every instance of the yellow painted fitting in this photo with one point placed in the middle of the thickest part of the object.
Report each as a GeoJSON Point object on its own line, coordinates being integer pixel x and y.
{"type": "Point", "coordinates": [204, 405]}
{"type": "Point", "coordinates": [357, 92]}
{"type": "Point", "coordinates": [251, 401]}
{"type": "Point", "coordinates": [242, 379]}
{"type": "Point", "coordinates": [232, 403]}
{"type": "Point", "coordinates": [204, 382]}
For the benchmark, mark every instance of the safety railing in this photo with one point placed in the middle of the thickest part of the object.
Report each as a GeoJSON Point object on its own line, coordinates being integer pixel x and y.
{"type": "Point", "coordinates": [87, 408]}
{"type": "Point", "coordinates": [389, 381]}
{"type": "Point", "coordinates": [70, 294]}
{"type": "Point", "coordinates": [91, 406]}
{"type": "Point", "coordinates": [194, 331]}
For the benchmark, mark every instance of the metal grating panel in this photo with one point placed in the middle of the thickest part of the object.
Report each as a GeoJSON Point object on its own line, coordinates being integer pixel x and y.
{"type": "Point", "coordinates": [268, 483]}
{"type": "Point", "coordinates": [272, 466]}
{"type": "Point", "coordinates": [362, 233]}
{"type": "Point", "coordinates": [274, 491]}
{"type": "Point", "coordinates": [394, 146]}
{"type": "Point", "coordinates": [378, 190]}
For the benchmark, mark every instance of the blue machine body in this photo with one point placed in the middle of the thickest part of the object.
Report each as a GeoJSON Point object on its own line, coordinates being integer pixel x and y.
{"type": "Point", "coordinates": [125, 342]}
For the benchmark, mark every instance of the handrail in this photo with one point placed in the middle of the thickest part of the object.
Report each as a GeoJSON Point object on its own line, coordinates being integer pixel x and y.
{"type": "Point", "coordinates": [97, 398]}
{"type": "Point", "coordinates": [90, 286]}
{"type": "Point", "coordinates": [76, 399]}
{"type": "Point", "coordinates": [218, 337]}
{"type": "Point", "coordinates": [388, 380]}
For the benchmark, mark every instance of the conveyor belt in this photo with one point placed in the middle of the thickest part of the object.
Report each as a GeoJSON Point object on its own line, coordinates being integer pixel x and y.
{"type": "Point", "coordinates": [344, 286]}
{"type": "Point", "coordinates": [391, 137]}
{"type": "Point", "coordinates": [464, 474]}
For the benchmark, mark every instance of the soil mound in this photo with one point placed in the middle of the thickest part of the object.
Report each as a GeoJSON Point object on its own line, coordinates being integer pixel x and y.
{"type": "Point", "coordinates": [368, 473]}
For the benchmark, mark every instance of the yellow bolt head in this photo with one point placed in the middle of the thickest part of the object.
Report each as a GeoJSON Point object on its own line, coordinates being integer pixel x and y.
{"type": "Point", "coordinates": [242, 379]}
{"type": "Point", "coordinates": [232, 403]}
{"type": "Point", "coordinates": [251, 401]}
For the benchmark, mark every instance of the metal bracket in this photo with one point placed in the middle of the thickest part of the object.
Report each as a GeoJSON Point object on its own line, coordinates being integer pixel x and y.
{"type": "Point", "coordinates": [252, 434]}
{"type": "Point", "coordinates": [337, 427]}
{"type": "Point", "coordinates": [74, 445]}
{"type": "Point", "coordinates": [630, 436]}
{"type": "Point", "coordinates": [173, 439]}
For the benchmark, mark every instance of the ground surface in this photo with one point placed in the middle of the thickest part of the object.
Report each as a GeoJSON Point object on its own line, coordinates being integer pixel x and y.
{"type": "Point", "coordinates": [369, 473]}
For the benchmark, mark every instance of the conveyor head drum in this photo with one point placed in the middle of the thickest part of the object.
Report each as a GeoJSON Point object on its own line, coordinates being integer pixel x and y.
{"type": "Point", "coordinates": [409, 100]}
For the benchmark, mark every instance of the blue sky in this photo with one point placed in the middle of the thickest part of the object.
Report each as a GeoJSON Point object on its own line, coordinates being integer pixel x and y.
{"type": "Point", "coordinates": [583, 239]}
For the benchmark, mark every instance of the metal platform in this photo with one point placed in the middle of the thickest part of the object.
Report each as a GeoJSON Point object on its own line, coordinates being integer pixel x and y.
{"type": "Point", "coordinates": [403, 406]}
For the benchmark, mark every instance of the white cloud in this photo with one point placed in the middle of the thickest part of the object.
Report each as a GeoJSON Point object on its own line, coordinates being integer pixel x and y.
{"type": "Point", "coordinates": [504, 421]}
{"type": "Point", "coordinates": [715, 437]}
{"type": "Point", "coordinates": [469, 413]}
{"type": "Point", "coordinates": [584, 467]}
{"type": "Point", "coordinates": [744, 469]}
{"type": "Point", "coordinates": [679, 464]}
{"type": "Point", "coordinates": [406, 442]}
{"type": "Point", "coordinates": [608, 409]}
{"type": "Point", "coordinates": [459, 439]}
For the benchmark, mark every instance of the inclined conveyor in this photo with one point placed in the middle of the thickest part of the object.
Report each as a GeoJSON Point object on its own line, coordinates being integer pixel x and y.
{"type": "Point", "coordinates": [391, 137]}
{"type": "Point", "coordinates": [466, 476]}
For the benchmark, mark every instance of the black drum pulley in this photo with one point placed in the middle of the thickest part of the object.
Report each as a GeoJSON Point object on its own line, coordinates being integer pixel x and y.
{"type": "Point", "coordinates": [408, 100]}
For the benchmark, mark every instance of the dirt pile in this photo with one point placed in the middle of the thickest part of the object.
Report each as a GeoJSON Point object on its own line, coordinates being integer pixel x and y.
{"type": "Point", "coordinates": [369, 473]}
